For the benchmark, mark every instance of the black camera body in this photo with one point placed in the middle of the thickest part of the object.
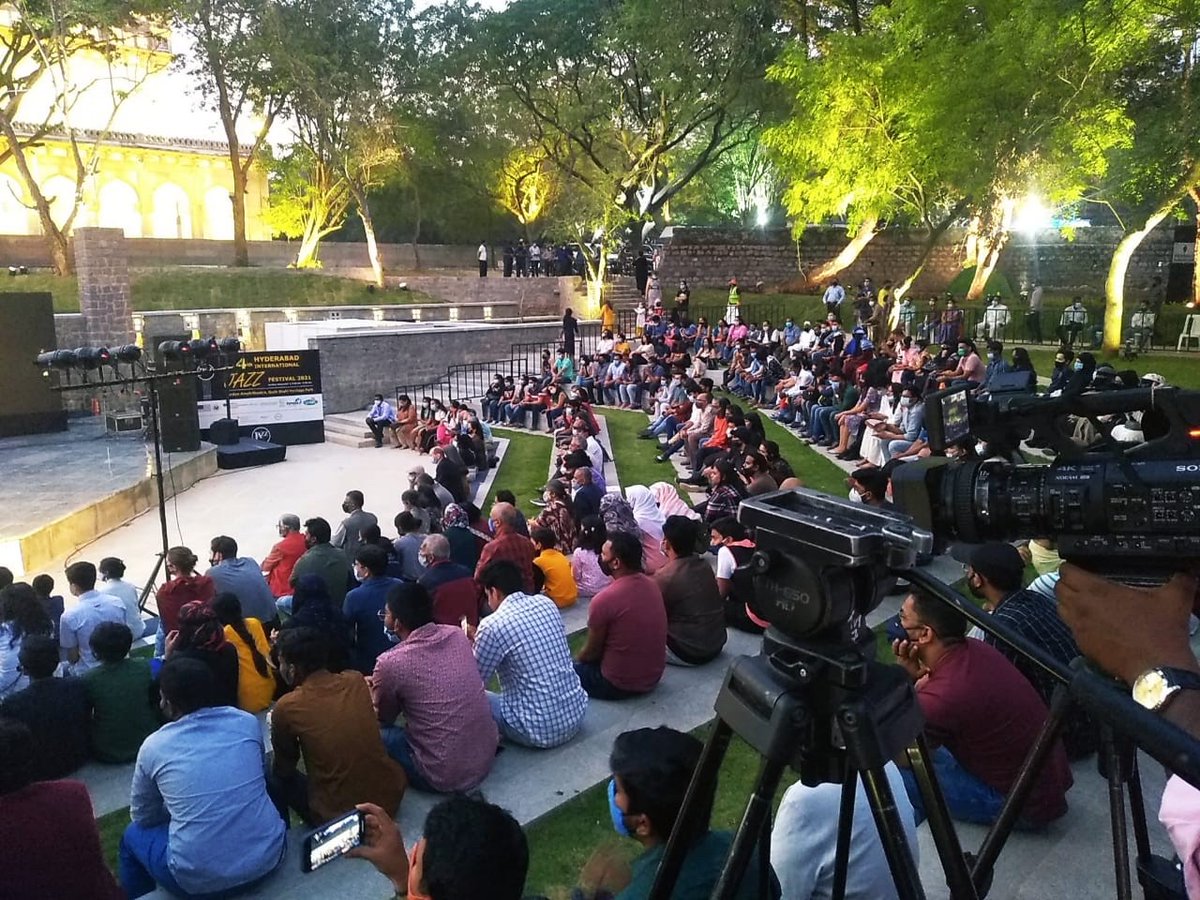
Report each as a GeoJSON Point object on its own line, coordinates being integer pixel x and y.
{"type": "Point", "coordinates": [1131, 513]}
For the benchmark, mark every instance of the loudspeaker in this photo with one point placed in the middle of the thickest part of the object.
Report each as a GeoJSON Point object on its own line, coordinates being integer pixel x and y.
{"type": "Point", "coordinates": [1013, 383]}
{"type": "Point", "coordinates": [223, 432]}
{"type": "Point", "coordinates": [27, 405]}
{"type": "Point", "coordinates": [178, 419]}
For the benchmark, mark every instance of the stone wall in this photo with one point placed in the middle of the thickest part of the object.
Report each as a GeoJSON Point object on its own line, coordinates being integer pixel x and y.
{"type": "Point", "coordinates": [708, 257]}
{"type": "Point", "coordinates": [532, 296]}
{"type": "Point", "coordinates": [355, 366]}
{"type": "Point", "coordinates": [31, 250]}
{"type": "Point", "coordinates": [251, 324]}
{"type": "Point", "coordinates": [103, 270]}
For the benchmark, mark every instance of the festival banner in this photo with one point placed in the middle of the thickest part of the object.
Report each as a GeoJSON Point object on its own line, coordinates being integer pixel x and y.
{"type": "Point", "coordinates": [274, 395]}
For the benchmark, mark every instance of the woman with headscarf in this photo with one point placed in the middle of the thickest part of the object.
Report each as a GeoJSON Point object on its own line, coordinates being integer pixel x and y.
{"type": "Point", "coordinates": [201, 636]}
{"type": "Point", "coordinates": [312, 607]}
{"type": "Point", "coordinates": [466, 542]}
{"type": "Point", "coordinates": [618, 515]}
{"type": "Point", "coordinates": [669, 501]}
{"type": "Point", "coordinates": [650, 520]}
{"type": "Point", "coordinates": [557, 516]}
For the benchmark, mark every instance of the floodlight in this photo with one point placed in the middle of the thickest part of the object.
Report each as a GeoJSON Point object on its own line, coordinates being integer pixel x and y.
{"type": "Point", "coordinates": [201, 348]}
{"type": "Point", "coordinates": [175, 350]}
{"type": "Point", "coordinates": [230, 345]}
{"type": "Point", "coordinates": [92, 357]}
{"type": "Point", "coordinates": [56, 359]}
{"type": "Point", "coordinates": [129, 353]}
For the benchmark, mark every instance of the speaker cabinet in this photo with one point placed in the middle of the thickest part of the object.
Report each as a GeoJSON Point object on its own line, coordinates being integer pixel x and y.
{"type": "Point", "coordinates": [27, 405]}
{"type": "Point", "coordinates": [178, 420]}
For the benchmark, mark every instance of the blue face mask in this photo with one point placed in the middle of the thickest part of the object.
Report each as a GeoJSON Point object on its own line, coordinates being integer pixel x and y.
{"type": "Point", "coordinates": [392, 637]}
{"type": "Point", "coordinates": [618, 816]}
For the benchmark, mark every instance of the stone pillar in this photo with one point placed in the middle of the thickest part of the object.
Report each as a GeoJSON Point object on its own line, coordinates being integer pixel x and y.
{"type": "Point", "coordinates": [102, 265]}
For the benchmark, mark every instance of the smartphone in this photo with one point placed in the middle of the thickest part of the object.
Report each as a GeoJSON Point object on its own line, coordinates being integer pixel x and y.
{"type": "Point", "coordinates": [333, 839]}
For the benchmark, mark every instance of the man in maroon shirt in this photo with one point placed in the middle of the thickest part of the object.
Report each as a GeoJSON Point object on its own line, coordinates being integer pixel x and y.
{"type": "Point", "coordinates": [981, 715]}
{"type": "Point", "coordinates": [278, 565]}
{"type": "Point", "coordinates": [626, 649]}
{"type": "Point", "coordinates": [508, 544]}
{"type": "Point", "coordinates": [49, 845]}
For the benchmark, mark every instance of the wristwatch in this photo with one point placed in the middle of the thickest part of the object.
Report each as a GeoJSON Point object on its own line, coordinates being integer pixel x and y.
{"type": "Point", "coordinates": [1155, 687]}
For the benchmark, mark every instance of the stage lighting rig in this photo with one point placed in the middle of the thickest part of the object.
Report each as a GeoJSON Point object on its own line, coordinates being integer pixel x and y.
{"type": "Point", "coordinates": [56, 359]}
{"type": "Point", "coordinates": [88, 358]}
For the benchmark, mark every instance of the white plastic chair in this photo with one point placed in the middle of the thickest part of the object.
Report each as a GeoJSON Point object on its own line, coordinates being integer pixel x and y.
{"type": "Point", "coordinates": [1191, 332]}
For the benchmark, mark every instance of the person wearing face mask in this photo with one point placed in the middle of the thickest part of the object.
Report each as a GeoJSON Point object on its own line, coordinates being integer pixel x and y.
{"type": "Point", "coordinates": [996, 366]}
{"type": "Point", "coordinates": [868, 486]}
{"type": "Point", "coordinates": [202, 821]}
{"type": "Point", "coordinates": [363, 606]}
{"type": "Point", "coordinates": [969, 370]}
{"type": "Point", "coordinates": [452, 586]}
{"type": "Point", "coordinates": [994, 574]}
{"type": "Point", "coordinates": [982, 717]}
{"type": "Point", "coordinates": [1064, 368]}
{"type": "Point", "coordinates": [1072, 323]}
{"type": "Point", "coordinates": [324, 560]}
{"type": "Point", "coordinates": [448, 740]}
{"type": "Point", "coordinates": [348, 536]}
{"type": "Point", "coordinates": [651, 769]}
{"type": "Point", "coordinates": [695, 610]}
{"type": "Point", "coordinates": [326, 720]}
{"type": "Point", "coordinates": [895, 439]}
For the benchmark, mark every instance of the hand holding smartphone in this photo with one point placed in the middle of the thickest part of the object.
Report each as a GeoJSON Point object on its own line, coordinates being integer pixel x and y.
{"type": "Point", "coordinates": [333, 839]}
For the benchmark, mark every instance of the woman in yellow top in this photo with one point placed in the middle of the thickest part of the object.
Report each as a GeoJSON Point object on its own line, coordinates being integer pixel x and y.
{"type": "Point", "coordinates": [608, 316]}
{"type": "Point", "coordinates": [256, 675]}
{"type": "Point", "coordinates": [551, 570]}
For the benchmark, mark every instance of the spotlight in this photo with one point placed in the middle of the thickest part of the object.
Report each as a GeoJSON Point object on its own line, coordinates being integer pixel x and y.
{"type": "Point", "coordinates": [230, 345]}
{"type": "Point", "coordinates": [175, 350]}
{"type": "Point", "coordinates": [92, 357]}
{"type": "Point", "coordinates": [56, 359]}
{"type": "Point", "coordinates": [202, 349]}
{"type": "Point", "coordinates": [129, 353]}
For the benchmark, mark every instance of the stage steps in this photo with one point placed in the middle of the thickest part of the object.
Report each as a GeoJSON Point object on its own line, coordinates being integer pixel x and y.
{"type": "Point", "coordinates": [348, 430]}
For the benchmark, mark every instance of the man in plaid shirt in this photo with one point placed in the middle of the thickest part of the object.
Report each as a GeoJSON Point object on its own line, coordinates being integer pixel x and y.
{"type": "Point", "coordinates": [523, 642]}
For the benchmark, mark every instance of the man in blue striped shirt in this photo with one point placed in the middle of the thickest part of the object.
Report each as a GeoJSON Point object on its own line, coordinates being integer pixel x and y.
{"type": "Point", "coordinates": [524, 643]}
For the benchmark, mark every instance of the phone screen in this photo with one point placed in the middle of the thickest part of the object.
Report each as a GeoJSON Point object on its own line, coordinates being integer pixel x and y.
{"type": "Point", "coordinates": [333, 839]}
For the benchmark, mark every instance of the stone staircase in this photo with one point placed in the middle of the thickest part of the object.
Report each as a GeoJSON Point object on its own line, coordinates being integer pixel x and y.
{"type": "Point", "coordinates": [348, 429]}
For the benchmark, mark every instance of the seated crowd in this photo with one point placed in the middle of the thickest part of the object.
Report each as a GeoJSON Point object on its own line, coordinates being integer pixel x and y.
{"type": "Point", "coordinates": [391, 663]}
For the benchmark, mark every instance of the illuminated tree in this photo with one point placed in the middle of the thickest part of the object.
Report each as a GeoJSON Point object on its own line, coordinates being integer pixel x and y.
{"type": "Point", "coordinates": [528, 185]}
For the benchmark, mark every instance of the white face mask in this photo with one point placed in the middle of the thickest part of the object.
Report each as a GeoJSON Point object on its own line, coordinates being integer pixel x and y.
{"type": "Point", "coordinates": [855, 496]}
{"type": "Point", "coordinates": [906, 401]}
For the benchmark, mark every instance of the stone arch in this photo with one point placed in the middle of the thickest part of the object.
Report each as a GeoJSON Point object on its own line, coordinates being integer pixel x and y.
{"type": "Point", "coordinates": [14, 215]}
{"type": "Point", "coordinates": [218, 214]}
{"type": "Point", "coordinates": [172, 216]}
{"type": "Point", "coordinates": [120, 207]}
{"type": "Point", "coordinates": [59, 192]}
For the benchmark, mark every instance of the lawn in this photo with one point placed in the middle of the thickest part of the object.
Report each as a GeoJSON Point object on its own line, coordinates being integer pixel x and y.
{"type": "Point", "coordinates": [207, 288]}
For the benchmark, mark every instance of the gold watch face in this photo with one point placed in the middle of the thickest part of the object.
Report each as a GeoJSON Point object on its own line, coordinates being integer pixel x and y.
{"type": "Point", "coordinates": [1151, 689]}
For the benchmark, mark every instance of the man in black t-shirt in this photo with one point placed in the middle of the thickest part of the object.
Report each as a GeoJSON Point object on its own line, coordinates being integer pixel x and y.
{"type": "Point", "coordinates": [55, 709]}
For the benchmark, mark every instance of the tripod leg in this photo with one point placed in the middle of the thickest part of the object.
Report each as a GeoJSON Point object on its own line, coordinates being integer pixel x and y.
{"type": "Point", "coordinates": [841, 859]}
{"type": "Point", "coordinates": [999, 833]}
{"type": "Point", "coordinates": [1137, 807]}
{"type": "Point", "coordinates": [892, 835]}
{"type": "Point", "coordinates": [149, 585]}
{"type": "Point", "coordinates": [758, 811]}
{"type": "Point", "coordinates": [1116, 809]}
{"type": "Point", "coordinates": [702, 783]}
{"type": "Point", "coordinates": [945, 838]}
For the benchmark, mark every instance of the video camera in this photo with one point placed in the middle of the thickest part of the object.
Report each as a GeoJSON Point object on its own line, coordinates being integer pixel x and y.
{"type": "Point", "coordinates": [1130, 513]}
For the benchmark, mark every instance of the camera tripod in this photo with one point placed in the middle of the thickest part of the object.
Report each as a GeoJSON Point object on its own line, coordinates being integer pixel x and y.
{"type": "Point", "coordinates": [835, 716]}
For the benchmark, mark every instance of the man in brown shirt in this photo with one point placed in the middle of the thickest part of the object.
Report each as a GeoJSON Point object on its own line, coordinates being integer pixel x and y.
{"type": "Point", "coordinates": [695, 612]}
{"type": "Point", "coordinates": [330, 720]}
{"type": "Point", "coordinates": [508, 544]}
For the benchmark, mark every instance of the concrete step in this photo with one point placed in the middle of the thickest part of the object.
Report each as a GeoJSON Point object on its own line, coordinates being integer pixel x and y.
{"type": "Point", "coordinates": [347, 429]}
{"type": "Point", "coordinates": [348, 440]}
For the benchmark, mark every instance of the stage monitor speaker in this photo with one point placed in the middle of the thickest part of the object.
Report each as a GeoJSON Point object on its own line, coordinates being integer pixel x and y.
{"type": "Point", "coordinates": [223, 432]}
{"type": "Point", "coordinates": [27, 405]}
{"type": "Point", "coordinates": [178, 420]}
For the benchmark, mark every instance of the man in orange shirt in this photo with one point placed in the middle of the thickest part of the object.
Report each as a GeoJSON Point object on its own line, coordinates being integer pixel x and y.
{"type": "Point", "coordinates": [277, 567]}
{"type": "Point", "coordinates": [717, 444]}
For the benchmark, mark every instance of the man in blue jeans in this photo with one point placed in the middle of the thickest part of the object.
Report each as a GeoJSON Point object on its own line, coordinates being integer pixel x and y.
{"type": "Point", "coordinates": [203, 825]}
{"type": "Point", "coordinates": [982, 717]}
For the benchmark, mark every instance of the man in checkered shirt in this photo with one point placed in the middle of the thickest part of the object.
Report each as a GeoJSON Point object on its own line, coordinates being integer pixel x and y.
{"type": "Point", "coordinates": [995, 573]}
{"type": "Point", "coordinates": [523, 642]}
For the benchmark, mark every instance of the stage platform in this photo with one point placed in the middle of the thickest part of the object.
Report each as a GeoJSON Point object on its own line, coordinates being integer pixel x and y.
{"type": "Point", "coordinates": [64, 490]}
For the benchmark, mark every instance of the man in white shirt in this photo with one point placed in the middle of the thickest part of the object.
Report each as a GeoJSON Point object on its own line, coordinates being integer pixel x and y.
{"type": "Point", "coordinates": [804, 842]}
{"type": "Point", "coordinates": [995, 320]}
{"type": "Point", "coordinates": [77, 623]}
{"type": "Point", "coordinates": [482, 255]}
{"type": "Point", "coordinates": [112, 571]}
{"type": "Point", "coordinates": [834, 295]}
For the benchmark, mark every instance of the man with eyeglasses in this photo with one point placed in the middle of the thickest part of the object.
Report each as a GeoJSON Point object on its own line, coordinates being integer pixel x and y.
{"type": "Point", "coordinates": [981, 719]}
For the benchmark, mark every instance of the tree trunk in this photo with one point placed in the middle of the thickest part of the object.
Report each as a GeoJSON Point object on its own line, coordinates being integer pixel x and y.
{"type": "Point", "coordinates": [60, 253]}
{"type": "Point", "coordinates": [364, 213]}
{"type": "Point", "coordinates": [1194, 193]}
{"type": "Point", "coordinates": [935, 235]}
{"type": "Point", "coordinates": [416, 226]}
{"type": "Point", "coordinates": [1114, 285]}
{"type": "Point", "coordinates": [241, 249]}
{"type": "Point", "coordinates": [985, 264]}
{"type": "Point", "coordinates": [863, 236]}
